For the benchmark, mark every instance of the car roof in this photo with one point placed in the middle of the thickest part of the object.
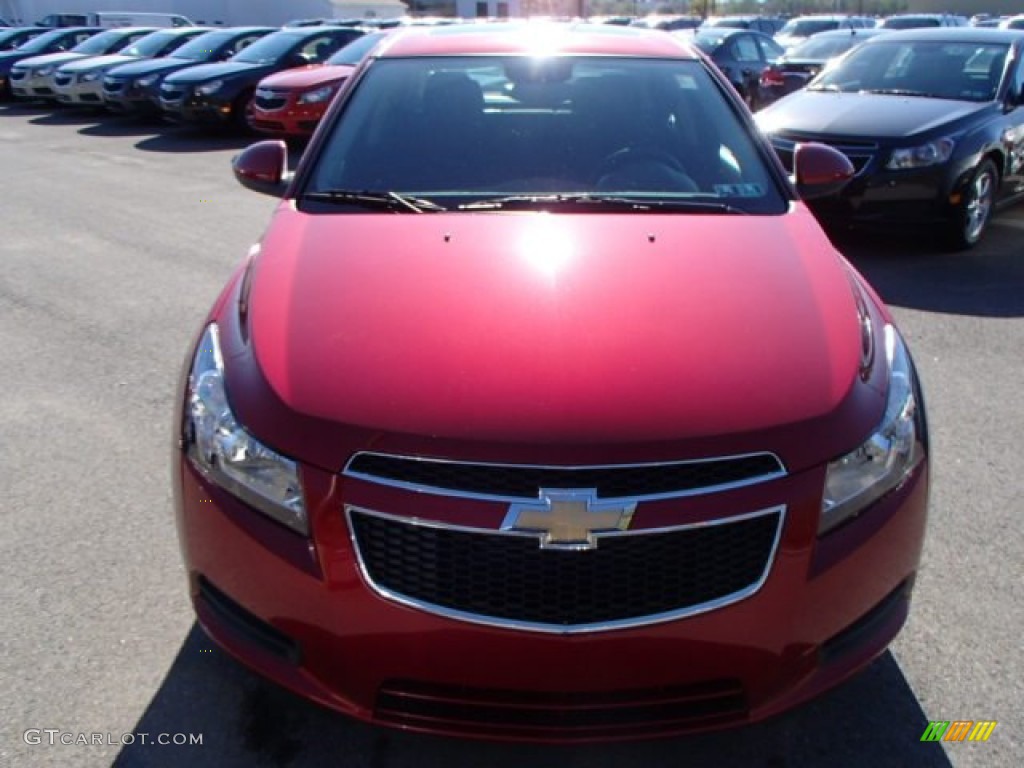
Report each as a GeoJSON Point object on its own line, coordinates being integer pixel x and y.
{"type": "Point", "coordinates": [854, 32]}
{"type": "Point", "coordinates": [530, 38]}
{"type": "Point", "coordinates": [954, 35]}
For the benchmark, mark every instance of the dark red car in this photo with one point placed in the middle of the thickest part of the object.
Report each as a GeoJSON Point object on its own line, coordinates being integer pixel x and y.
{"type": "Point", "coordinates": [544, 409]}
{"type": "Point", "coordinates": [291, 103]}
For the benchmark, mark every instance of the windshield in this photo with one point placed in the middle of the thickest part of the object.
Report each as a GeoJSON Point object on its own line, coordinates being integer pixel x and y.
{"type": "Point", "coordinates": [807, 27]}
{"type": "Point", "coordinates": [269, 49]}
{"type": "Point", "coordinates": [152, 44]}
{"type": "Point", "coordinates": [709, 41]}
{"type": "Point", "coordinates": [202, 48]}
{"type": "Point", "coordinates": [960, 71]}
{"type": "Point", "coordinates": [602, 134]}
{"type": "Point", "coordinates": [41, 43]}
{"type": "Point", "coordinates": [910, 22]}
{"type": "Point", "coordinates": [822, 48]}
{"type": "Point", "coordinates": [100, 43]}
{"type": "Point", "coordinates": [354, 52]}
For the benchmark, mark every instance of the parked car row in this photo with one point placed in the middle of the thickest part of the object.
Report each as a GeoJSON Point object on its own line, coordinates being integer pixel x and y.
{"type": "Point", "coordinates": [190, 74]}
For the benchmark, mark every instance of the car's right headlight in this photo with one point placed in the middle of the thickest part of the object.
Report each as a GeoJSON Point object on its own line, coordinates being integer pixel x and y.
{"type": "Point", "coordinates": [228, 455]}
{"type": "Point", "coordinates": [210, 88]}
{"type": "Point", "coordinates": [881, 462]}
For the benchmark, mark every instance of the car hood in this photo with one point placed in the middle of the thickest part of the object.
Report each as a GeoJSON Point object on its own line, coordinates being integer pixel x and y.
{"type": "Point", "coordinates": [306, 77]}
{"type": "Point", "coordinates": [50, 59]}
{"type": "Point", "coordinates": [551, 330]}
{"type": "Point", "coordinates": [862, 114]}
{"type": "Point", "coordinates": [98, 62]}
{"type": "Point", "coordinates": [141, 67]}
{"type": "Point", "coordinates": [202, 72]}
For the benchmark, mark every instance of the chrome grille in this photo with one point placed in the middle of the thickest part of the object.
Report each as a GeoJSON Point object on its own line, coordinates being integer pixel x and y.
{"type": "Point", "coordinates": [504, 578]}
{"type": "Point", "coordinates": [860, 153]}
{"type": "Point", "coordinates": [268, 100]}
{"type": "Point", "coordinates": [507, 482]}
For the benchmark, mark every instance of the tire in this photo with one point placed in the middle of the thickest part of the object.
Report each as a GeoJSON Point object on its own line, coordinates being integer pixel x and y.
{"type": "Point", "coordinates": [242, 106]}
{"type": "Point", "coordinates": [972, 215]}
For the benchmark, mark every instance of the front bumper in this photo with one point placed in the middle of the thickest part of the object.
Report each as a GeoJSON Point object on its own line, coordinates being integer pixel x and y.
{"type": "Point", "coordinates": [79, 93]}
{"type": "Point", "coordinates": [300, 612]}
{"type": "Point", "coordinates": [33, 88]}
{"type": "Point", "coordinates": [918, 198]}
{"type": "Point", "coordinates": [123, 97]}
{"type": "Point", "coordinates": [185, 105]}
{"type": "Point", "coordinates": [287, 119]}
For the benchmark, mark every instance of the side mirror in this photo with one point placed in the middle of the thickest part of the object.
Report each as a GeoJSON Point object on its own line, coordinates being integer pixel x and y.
{"type": "Point", "coordinates": [820, 170]}
{"type": "Point", "coordinates": [263, 167]}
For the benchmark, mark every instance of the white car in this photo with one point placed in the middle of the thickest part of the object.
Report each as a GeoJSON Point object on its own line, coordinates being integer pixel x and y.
{"type": "Point", "coordinates": [33, 78]}
{"type": "Point", "coordinates": [1014, 22]}
{"type": "Point", "coordinates": [80, 82]}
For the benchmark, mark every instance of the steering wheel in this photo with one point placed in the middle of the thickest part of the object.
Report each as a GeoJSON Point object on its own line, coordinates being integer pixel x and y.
{"type": "Point", "coordinates": [645, 165]}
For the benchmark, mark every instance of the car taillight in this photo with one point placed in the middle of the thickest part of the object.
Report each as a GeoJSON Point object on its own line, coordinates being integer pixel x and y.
{"type": "Point", "coordinates": [772, 76]}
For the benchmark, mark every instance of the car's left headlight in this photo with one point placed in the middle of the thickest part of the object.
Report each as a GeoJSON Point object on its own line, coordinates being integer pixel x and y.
{"type": "Point", "coordinates": [44, 71]}
{"type": "Point", "coordinates": [89, 77]}
{"type": "Point", "coordinates": [145, 82]}
{"type": "Point", "coordinates": [319, 95]}
{"type": "Point", "coordinates": [228, 455]}
{"type": "Point", "coordinates": [932, 153]}
{"type": "Point", "coordinates": [210, 88]}
{"type": "Point", "coordinates": [881, 462]}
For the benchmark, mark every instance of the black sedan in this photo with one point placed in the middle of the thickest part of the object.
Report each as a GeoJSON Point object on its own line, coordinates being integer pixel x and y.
{"type": "Point", "coordinates": [933, 121]}
{"type": "Point", "coordinates": [799, 65]}
{"type": "Point", "coordinates": [135, 88]}
{"type": "Point", "coordinates": [50, 41]}
{"type": "Point", "coordinates": [220, 93]}
{"type": "Point", "coordinates": [741, 54]}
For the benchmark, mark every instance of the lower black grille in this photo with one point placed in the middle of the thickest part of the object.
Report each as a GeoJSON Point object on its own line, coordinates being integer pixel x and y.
{"type": "Point", "coordinates": [113, 86]}
{"type": "Point", "coordinates": [502, 578]}
{"type": "Point", "coordinates": [519, 481]}
{"type": "Point", "coordinates": [633, 713]}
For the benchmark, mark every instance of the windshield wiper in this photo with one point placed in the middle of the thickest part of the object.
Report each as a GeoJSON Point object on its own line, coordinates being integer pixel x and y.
{"type": "Point", "coordinates": [830, 87]}
{"type": "Point", "coordinates": [902, 92]}
{"type": "Point", "coordinates": [391, 201]}
{"type": "Point", "coordinates": [605, 202]}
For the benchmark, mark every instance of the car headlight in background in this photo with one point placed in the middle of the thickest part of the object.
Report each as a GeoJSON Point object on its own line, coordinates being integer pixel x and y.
{"type": "Point", "coordinates": [228, 455]}
{"type": "Point", "coordinates": [932, 153]}
{"type": "Point", "coordinates": [90, 77]}
{"type": "Point", "coordinates": [210, 88]}
{"type": "Point", "coordinates": [147, 81]}
{"type": "Point", "coordinates": [881, 462]}
{"type": "Point", "coordinates": [44, 71]}
{"type": "Point", "coordinates": [318, 96]}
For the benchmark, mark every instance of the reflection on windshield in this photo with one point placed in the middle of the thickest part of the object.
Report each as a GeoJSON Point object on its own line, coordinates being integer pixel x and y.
{"type": "Point", "coordinates": [268, 49]}
{"type": "Point", "coordinates": [100, 43]}
{"type": "Point", "coordinates": [587, 134]}
{"type": "Point", "coordinates": [961, 71]}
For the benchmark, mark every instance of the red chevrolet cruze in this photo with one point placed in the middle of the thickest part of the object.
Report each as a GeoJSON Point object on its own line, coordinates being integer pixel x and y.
{"type": "Point", "coordinates": [291, 103]}
{"type": "Point", "coordinates": [544, 409]}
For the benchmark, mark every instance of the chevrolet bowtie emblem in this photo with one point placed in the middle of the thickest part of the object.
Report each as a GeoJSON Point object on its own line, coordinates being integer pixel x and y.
{"type": "Point", "coordinates": [568, 518]}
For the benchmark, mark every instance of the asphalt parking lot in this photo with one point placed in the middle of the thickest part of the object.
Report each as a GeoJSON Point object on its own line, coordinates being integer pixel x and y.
{"type": "Point", "coordinates": [116, 238]}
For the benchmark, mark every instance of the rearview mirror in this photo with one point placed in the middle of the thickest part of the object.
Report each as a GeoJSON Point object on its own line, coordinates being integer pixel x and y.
{"type": "Point", "coordinates": [820, 170]}
{"type": "Point", "coordinates": [263, 167]}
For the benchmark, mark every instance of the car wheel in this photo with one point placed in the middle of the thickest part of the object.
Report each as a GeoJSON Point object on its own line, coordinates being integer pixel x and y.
{"type": "Point", "coordinates": [241, 110]}
{"type": "Point", "coordinates": [972, 215]}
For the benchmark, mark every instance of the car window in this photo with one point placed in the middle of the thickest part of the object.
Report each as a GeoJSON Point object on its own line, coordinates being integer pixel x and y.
{"type": "Point", "coordinates": [355, 51]}
{"type": "Point", "coordinates": [744, 49]}
{"type": "Point", "coordinates": [770, 50]}
{"type": "Point", "coordinates": [268, 49]}
{"type": "Point", "coordinates": [153, 44]}
{"type": "Point", "coordinates": [961, 71]}
{"type": "Point", "coordinates": [459, 130]}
